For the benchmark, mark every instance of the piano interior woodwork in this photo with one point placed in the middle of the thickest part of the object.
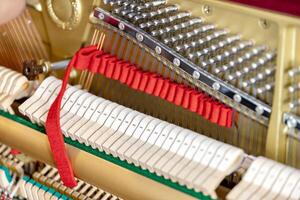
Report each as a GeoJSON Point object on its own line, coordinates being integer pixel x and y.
{"type": "Point", "coordinates": [238, 135]}
{"type": "Point", "coordinates": [278, 31]}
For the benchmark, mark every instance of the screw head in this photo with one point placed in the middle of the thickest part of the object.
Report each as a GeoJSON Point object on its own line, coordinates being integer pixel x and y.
{"type": "Point", "coordinates": [176, 62]}
{"type": "Point", "coordinates": [121, 26]}
{"type": "Point", "coordinates": [196, 74]}
{"type": "Point", "coordinates": [101, 16]}
{"type": "Point", "coordinates": [292, 122]}
{"type": "Point", "coordinates": [139, 37]}
{"type": "Point", "coordinates": [206, 9]}
{"type": "Point", "coordinates": [259, 110]}
{"type": "Point", "coordinates": [158, 50]}
{"type": "Point", "coordinates": [264, 23]}
{"type": "Point", "coordinates": [237, 98]}
{"type": "Point", "coordinates": [216, 86]}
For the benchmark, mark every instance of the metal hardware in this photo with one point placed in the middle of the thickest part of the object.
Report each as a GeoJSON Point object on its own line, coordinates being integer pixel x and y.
{"type": "Point", "coordinates": [196, 74]}
{"type": "Point", "coordinates": [158, 50]}
{"type": "Point", "coordinates": [176, 62]}
{"type": "Point", "coordinates": [259, 110]}
{"type": "Point", "coordinates": [101, 16]}
{"type": "Point", "coordinates": [216, 86]}
{"type": "Point", "coordinates": [139, 37]}
{"type": "Point", "coordinates": [121, 26]}
{"type": "Point", "coordinates": [207, 10]}
{"type": "Point", "coordinates": [291, 120]}
{"type": "Point", "coordinates": [237, 98]}
{"type": "Point", "coordinates": [187, 66]}
{"type": "Point", "coordinates": [264, 23]}
{"type": "Point", "coordinates": [72, 21]}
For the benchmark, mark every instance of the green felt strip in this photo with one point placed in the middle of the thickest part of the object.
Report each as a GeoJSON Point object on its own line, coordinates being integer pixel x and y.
{"type": "Point", "coordinates": [45, 188]}
{"type": "Point", "coordinates": [26, 178]}
{"type": "Point", "coordinates": [6, 172]}
{"type": "Point", "coordinates": [64, 197]}
{"type": "Point", "coordinates": [57, 194]}
{"type": "Point", "coordinates": [112, 159]}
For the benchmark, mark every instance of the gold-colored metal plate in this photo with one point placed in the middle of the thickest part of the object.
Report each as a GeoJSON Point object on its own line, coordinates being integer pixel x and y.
{"type": "Point", "coordinates": [66, 24]}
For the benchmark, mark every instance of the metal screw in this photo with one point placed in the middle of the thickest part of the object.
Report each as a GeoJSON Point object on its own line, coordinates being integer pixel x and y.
{"type": "Point", "coordinates": [158, 50]}
{"type": "Point", "coordinates": [237, 98]}
{"type": "Point", "coordinates": [216, 86]}
{"type": "Point", "coordinates": [176, 62]}
{"type": "Point", "coordinates": [206, 9]}
{"type": "Point", "coordinates": [139, 37]}
{"type": "Point", "coordinates": [292, 122]}
{"type": "Point", "coordinates": [259, 110]}
{"type": "Point", "coordinates": [196, 74]}
{"type": "Point", "coordinates": [101, 16]}
{"type": "Point", "coordinates": [121, 26]}
{"type": "Point", "coordinates": [264, 23]}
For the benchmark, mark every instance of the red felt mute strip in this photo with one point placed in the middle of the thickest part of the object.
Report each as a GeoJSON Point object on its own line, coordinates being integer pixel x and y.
{"type": "Point", "coordinates": [55, 136]}
{"type": "Point", "coordinates": [151, 83]}
{"type": "Point", "coordinates": [96, 61]}
{"type": "Point", "coordinates": [81, 60]}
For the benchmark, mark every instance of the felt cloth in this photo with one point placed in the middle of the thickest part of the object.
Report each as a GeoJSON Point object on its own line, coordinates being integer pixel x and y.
{"type": "Point", "coordinates": [93, 60]}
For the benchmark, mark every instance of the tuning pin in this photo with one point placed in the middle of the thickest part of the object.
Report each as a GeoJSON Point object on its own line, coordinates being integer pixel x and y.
{"type": "Point", "coordinates": [125, 6]}
{"type": "Point", "coordinates": [109, 1]}
{"type": "Point", "coordinates": [116, 2]}
{"type": "Point", "coordinates": [199, 55]}
{"type": "Point", "coordinates": [259, 77]}
{"type": "Point", "coordinates": [151, 4]}
{"type": "Point", "coordinates": [239, 60]}
{"type": "Point", "coordinates": [293, 72]}
{"type": "Point", "coordinates": [230, 52]}
{"type": "Point", "coordinates": [261, 61]}
{"type": "Point", "coordinates": [185, 36]}
{"type": "Point", "coordinates": [194, 44]}
{"type": "Point", "coordinates": [166, 9]}
{"type": "Point", "coordinates": [160, 11]}
{"type": "Point", "coordinates": [295, 104]}
{"type": "Point", "coordinates": [125, 12]}
{"type": "Point", "coordinates": [266, 93]}
{"type": "Point", "coordinates": [138, 17]}
{"type": "Point", "coordinates": [133, 14]}
{"type": "Point", "coordinates": [165, 20]}
{"type": "Point", "coordinates": [294, 87]}
{"type": "Point", "coordinates": [176, 27]}
{"type": "Point", "coordinates": [266, 88]}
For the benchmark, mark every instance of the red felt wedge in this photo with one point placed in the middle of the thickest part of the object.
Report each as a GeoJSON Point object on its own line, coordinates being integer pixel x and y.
{"type": "Point", "coordinates": [154, 84]}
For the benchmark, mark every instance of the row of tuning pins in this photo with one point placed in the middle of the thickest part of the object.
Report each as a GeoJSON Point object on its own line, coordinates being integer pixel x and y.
{"type": "Point", "coordinates": [49, 176]}
{"type": "Point", "coordinates": [294, 90]}
{"type": "Point", "coordinates": [240, 62]}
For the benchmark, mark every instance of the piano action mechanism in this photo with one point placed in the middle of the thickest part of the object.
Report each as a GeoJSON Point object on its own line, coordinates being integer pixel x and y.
{"type": "Point", "coordinates": [165, 100]}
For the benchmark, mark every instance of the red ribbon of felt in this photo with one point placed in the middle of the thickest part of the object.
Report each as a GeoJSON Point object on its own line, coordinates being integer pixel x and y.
{"type": "Point", "coordinates": [93, 60]}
